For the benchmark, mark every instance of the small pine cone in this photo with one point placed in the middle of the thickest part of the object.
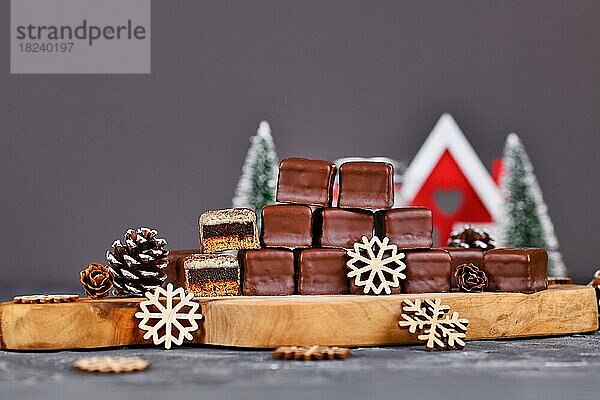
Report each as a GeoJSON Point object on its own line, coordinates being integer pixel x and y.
{"type": "Point", "coordinates": [472, 237]}
{"type": "Point", "coordinates": [596, 280]}
{"type": "Point", "coordinates": [138, 263]}
{"type": "Point", "coordinates": [596, 284]}
{"type": "Point", "coordinates": [469, 278]}
{"type": "Point", "coordinates": [96, 280]}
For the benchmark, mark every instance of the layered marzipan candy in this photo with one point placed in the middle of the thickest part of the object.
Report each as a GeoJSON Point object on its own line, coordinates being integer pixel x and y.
{"type": "Point", "coordinates": [212, 274]}
{"type": "Point", "coordinates": [229, 229]}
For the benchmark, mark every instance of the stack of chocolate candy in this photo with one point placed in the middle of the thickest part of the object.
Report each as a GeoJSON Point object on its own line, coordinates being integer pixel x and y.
{"type": "Point", "coordinates": [216, 271]}
{"type": "Point", "coordinates": [315, 234]}
{"type": "Point", "coordinates": [292, 259]}
{"type": "Point", "coordinates": [305, 237]}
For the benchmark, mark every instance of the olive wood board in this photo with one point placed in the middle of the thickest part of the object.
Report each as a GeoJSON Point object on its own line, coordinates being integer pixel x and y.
{"type": "Point", "coordinates": [270, 322]}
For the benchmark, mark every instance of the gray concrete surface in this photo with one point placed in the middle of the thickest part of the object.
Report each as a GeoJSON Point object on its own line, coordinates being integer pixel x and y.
{"type": "Point", "coordinates": [541, 368]}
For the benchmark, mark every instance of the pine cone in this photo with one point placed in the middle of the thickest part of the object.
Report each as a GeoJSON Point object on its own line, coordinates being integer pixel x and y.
{"type": "Point", "coordinates": [96, 280]}
{"type": "Point", "coordinates": [138, 264]}
{"type": "Point", "coordinates": [596, 280]}
{"type": "Point", "coordinates": [469, 278]}
{"type": "Point", "coordinates": [472, 237]}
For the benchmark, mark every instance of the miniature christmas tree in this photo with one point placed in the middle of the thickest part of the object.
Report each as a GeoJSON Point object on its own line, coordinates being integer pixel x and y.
{"type": "Point", "coordinates": [526, 221]}
{"type": "Point", "coordinates": [258, 183]}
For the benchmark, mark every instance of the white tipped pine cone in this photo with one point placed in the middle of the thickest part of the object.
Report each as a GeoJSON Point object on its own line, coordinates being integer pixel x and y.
{"type": "Point", "coordinates": [138, 263]}
{"type": "Point", "coordinates": [472, 237]}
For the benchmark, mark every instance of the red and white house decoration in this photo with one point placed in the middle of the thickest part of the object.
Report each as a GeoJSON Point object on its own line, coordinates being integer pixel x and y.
{"type": "Point", "coordinates": [448, 177]}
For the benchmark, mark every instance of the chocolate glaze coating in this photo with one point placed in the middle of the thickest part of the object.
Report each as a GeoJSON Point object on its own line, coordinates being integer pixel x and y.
{"type": "Point", "coordinates": [268, 272]}
{"type": "Point", "coordinates": [337, 227]}
{"type": "Point", "coordinates": [408, 227]}
{"type": "Point", "coordinates": [322, 271]}
{"type": "Point", "coordinates": [304, 181]}
{"type": "Point", "coordinates": [286, 225]}
{"type": "Point", "coordinates": [174, 270]}
{"type": "Point", "coordinates": [461, 255]}
{"type": "Point", "coordinates": [516, 270]}
{"type": "Point", "coordinates": [427, 271]}
{"type": "Point", "coordinates": [365, 184]}
{"type": "Point", "coordinates": [360, 289]}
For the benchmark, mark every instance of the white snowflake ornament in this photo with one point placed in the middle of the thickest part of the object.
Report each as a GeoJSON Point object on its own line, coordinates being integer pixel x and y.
{"type": "Point", "coordinates": [160, 316]}
{"type": "Point", "coordinates": [376, 265]}
{"type": "Point", "coordinates": [431, 320]}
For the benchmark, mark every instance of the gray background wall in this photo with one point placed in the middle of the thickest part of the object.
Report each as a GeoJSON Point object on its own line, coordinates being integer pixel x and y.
{"type": "Point", "coordinates": [83, 157]}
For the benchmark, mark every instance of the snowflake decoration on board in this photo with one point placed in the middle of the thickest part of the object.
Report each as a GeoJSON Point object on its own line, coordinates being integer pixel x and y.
{"type": "Point", "coordinates": [431, 321]}
{"type": "Point", "coordinates": [379, 261]}
{"type": "Point", "coordinates": [168, 316]}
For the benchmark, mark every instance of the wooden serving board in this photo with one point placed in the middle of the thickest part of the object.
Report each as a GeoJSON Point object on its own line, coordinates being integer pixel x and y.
{"type": "Point", "coordinates": [269, 322]}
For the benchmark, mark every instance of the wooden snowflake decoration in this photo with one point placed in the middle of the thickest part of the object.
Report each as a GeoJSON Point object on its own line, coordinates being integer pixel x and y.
{"type": "Point", "coordinates": [376, 265]}
{"type": "Point", "coordinates": [314, 353]}
{"type": "Point", "coordinates": [115, 365]}
{"type": "Point", "coordinates": [167, 311]}
{"type": "Point", "coordinates": [434, 326]}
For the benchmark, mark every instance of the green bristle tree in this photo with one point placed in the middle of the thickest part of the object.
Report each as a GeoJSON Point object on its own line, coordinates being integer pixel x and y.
{"type": "Point", "coordinates": [526, 221]}
{"type": "Point", "coordinates": [258, 183]}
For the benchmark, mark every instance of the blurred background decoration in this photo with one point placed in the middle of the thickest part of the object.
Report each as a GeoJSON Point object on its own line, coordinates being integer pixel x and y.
{"type": "Point", "coordinates": [448, 177]}
{"type": "Point", "coordinates": [257, 185]}
{"type": "Point", "coordinates": [445, 176]}
{"type": "Point", "coordinates": [84, 157]}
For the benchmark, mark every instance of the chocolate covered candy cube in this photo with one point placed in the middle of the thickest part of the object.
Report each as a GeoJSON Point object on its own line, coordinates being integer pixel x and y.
{"type": "Point", "coordinates": [322, 271]}
{"type": "Point", "coordinates": [427, 271]}
{"type": "Point", "coordinates": [408, 227]}
{"type": "Point", "coordinates": [516, 270]}
{"type": "Point", "coordinates": [365, 184]}
{"type": "Point", "coordinates": [337, 227]}
{"type": "Point", "coordinates": [268, 272]}
{"type": "Point", "coordinates": [461, 255]}
{"type": "Point", "coordinates": [287, 225]}
{"type": "Point", "coordinates": [229, 229]}
{"type": "Point", "coordinates": [212, 274]}
{"type": "Point", "coordinates": [304, 181]}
